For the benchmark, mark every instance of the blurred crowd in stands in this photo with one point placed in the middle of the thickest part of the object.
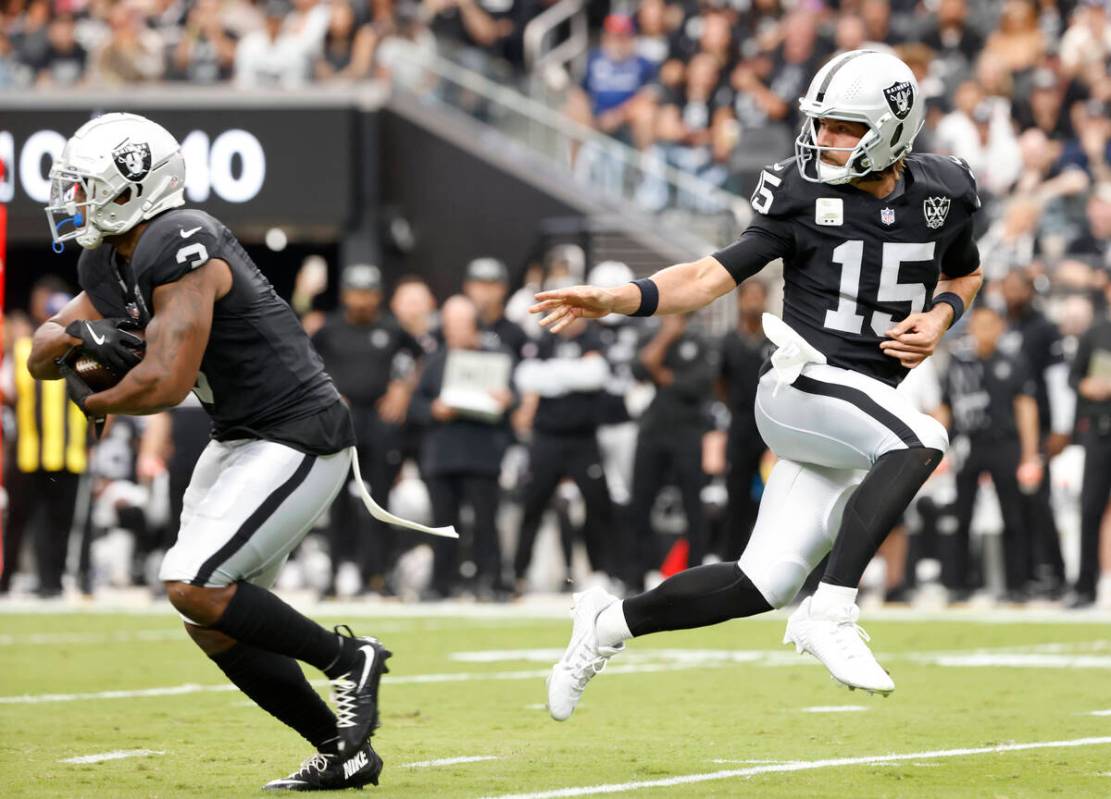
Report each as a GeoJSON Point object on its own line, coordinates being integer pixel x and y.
{"type": "Point", "coordinates": [637, 436]}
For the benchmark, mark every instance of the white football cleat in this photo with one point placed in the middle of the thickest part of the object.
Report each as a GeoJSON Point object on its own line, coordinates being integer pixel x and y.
{"type": "Point", "coordinates": [584, 657]}
{"type": "Point", "coordinates": [834, 638]}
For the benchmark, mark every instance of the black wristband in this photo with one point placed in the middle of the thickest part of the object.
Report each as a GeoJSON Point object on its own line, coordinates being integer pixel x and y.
{"type": "Point", "coordinates": [954, 301]}
{"type": "Point", "coordinates": [649, 297]}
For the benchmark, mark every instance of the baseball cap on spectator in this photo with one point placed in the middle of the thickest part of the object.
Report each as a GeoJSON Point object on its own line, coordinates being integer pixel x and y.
{"type": "Point", "coordinates": [362, 277]}
{"type": "Point", "coordinates": [982, 112]}
{"type": "Point", "coordinates": [619, 24]}
{"type": "Point", "coordinates": [487, 270]}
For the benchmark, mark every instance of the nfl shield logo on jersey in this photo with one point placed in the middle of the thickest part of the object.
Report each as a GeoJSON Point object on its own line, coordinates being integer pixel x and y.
{"type": "Point", "coordinates": [935, 209]}
{"type": "Point", "coordinates": [887, 216]}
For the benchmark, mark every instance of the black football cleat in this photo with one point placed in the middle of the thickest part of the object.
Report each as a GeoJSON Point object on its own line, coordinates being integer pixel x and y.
{"type": "Point", "coordinates": [328, 772]}
{"type": "Point", "coordinates": [356, 691]}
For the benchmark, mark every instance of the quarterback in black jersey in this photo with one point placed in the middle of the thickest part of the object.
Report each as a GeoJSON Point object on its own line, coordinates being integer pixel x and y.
{"type": "Point", "coordinates": [879, 261]}
{"type": "Point", "coordinates": [281, 437]}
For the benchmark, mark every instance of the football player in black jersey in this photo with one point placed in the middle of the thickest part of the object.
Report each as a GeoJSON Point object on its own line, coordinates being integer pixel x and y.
{"type": "Point", "coordinates": [281, 437]}
{"type": "Point", "coordinates": [879, 261]}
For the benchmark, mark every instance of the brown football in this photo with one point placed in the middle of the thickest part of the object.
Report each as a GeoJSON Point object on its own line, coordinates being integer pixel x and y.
{"type": "Point", "coordinates": [96, 375]}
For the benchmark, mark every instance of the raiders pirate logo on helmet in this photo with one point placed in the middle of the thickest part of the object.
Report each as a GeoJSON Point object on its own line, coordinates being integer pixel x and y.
{"type": "Point", "coordinates": [900, 97]}
{"type": "Point", "coordinates": [132, 160]}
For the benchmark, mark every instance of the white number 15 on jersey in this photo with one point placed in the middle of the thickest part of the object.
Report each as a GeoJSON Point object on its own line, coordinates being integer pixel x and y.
{"type": "Point", "coordinates": [850, 255]}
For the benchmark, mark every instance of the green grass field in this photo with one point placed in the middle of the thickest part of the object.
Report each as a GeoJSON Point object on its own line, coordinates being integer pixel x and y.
{"type": "Point", "coordinates": [728, 699]}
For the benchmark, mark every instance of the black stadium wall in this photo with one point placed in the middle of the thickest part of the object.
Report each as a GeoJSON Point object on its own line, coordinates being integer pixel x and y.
{"type": "Point", "coordinates": [334, 171]}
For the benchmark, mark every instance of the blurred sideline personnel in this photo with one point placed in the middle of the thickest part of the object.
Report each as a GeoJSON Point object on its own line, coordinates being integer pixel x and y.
{"type": "Point", "coordinates": [1038, 340]}
{"type": "Point", "coordinates": [461, 454]}
{"type": "Point", "coordinates": [682, 366]}
{"type": "Point", "coordinates": [865, 230]}
{"type": "Point", "coordinates": [50, 457]}
{"type": "Point", "coordinates": [282, 438]}
{"type": "Point", "coordinates": [1091, 377]}
{"type": "Point", "coordinates": [990, 398]}
{"type": "Point", "coordinates": [486, 284]}
{"type": "Point", "coordinates": [373, 363]}
{"type": "Point", "coordinates": [743, 352]}
{"type": "Point", "coordinates": [564, 384]}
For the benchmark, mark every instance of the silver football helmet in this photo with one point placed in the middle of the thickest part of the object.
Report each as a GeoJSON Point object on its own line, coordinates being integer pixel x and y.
{"type": "Point", "coordinates": [115, 172]}
{"type": "Point", "coordinates": [865, 86]}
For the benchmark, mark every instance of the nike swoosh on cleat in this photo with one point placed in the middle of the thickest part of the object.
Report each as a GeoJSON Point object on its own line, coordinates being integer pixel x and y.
{"type": "Point", "coordinates": [98, 339]}
{"type": "Point", "coordinates": [187, 233]}
{"type": "Point", "coordinates": [370, 654]}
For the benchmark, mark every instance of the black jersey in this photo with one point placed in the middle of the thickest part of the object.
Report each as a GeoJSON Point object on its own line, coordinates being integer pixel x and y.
{"type": "Point", "coordinates": [259, 377]}
{"type": "Point", "coordinates": [855, 264]}
{"type": "Point", "coordinates": [981, 393]}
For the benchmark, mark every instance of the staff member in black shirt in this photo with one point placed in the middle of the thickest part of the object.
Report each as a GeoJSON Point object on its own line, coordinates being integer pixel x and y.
{"type": "Point", "coordinates": [1091, 376]}
{"type": "Point", "coordinates": [461, 458]}
{"type": "Point", "coordinates": [743, 352]}
{"type": "Point", "coordinates": [372, 362]}
{"type": "Point", "coordinates": [989, 398]}
{"type": "Point", "coordinates": [1038, 340]}
{"type": "Point", "coordinates": [568, 376]}
{"type": "Point", "coordinates": [486, 284]}
{"type": "Point", "coordinates": [682, 366]}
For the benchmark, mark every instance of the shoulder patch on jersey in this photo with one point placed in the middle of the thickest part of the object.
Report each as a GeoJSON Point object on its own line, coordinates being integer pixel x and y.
{"type": "Point", "coordinates": [935, 209]}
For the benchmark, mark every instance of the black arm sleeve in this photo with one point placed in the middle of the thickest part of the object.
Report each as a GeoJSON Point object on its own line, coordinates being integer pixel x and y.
{"type": "Point", "coordinates": [963, 256]}
{"type": "Point", "coordinates": [762, 242]}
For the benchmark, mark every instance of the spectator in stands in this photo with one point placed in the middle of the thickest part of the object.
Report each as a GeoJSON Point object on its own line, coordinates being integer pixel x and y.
{"type": "Point", "coordinates": [461, 456]}
{"type": "Point", "coordinates": [50, 457]}
{"type": "Point", "coordinates": [1044, 108]}
{"type": "Point", "coordinates": [1094, 241]}
{"type": "Point", "coordinates": [133, 52]}
{"type": "Point", "coordinates": [1087, 42]}
{"type": "Point", "coordinates": [475, 28]}
{"type": "Point", "coordinates": [272, 57]}
{"type": "Point", "coordinates": [877, 22]}
{"type": "Point", "coordinates": [981, 132]}
{"type": "Point", "coordinates": [205, 52]}
{"type": "Point", "coordinates": [373, 363]}
{"type": "Point", "coordinates": [654, 23]}
{"type": "Point", "coordinates": [956, 44]}
{"type": "Point", "coordinates": [348, 50]}
{"type": "Point", "coordinates": [614, 97]}
{"type": "Point", "coordinates": [565, 384]}
{"type": "Point", "coordinates": [486, 284]}
{"type": "Point", "coordinates": [66, 60]}
{"type": "Point", "coordinates": [989, 398]}
{"type": "Point", "coordinates": [743, 352]}
{"type": "Point", "coordinates": [1091, 149]}
{"type": "Point", "coordinates": [1018, 43]}
{"type": "Point", "coordinates": [1091, 377]}
{"type": "Point", "coordinates": [682, 366]}
{"type": "Point", "coordinates": [30, 35]}
{"type": "Point", "coordinates": [307, 24]}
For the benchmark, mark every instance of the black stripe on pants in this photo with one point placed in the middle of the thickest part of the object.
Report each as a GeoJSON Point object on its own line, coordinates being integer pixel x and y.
{"type": "Point", "coordinates": [255, 520]}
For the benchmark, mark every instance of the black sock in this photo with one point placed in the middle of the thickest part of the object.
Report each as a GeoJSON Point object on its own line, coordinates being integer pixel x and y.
{"type": "Point", "coordinates": [257, 617]}
{"type": "Point", "coordinates": [696, 597]}
{"type": "Point", "coordinates": [873, 510]}
{"type": "Point", "coordinates": [277, 685]}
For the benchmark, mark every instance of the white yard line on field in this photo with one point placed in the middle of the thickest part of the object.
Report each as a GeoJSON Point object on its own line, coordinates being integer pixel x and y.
{"type": "Point", "coordinates": [449, 761]}
{"type": "Point", "coordinates": [405, 679]}
{"type": "Point", "coordinates": [834, 709]}
{"type": "Point", "coordinates": [806, 765]}
{"type": "Point", "coordinates": [119, 754]}
{"type": "Point", "coordinates": [1099, 713]}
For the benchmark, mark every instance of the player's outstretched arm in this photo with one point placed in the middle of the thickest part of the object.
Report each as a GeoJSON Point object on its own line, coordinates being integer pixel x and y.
{"type": "Point", "coordinates": [51, 340]}
{"type": "Point", "coordinates": [176, 339]}
{"type": "Point", "coordinates": [682, 288]}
